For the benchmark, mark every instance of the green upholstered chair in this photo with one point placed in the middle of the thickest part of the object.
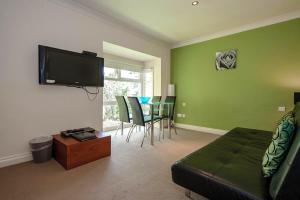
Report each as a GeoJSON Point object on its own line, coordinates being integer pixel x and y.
{"type": "Point", "coordinates": [124, 116]}
{"type": "Point", "coordinates": [168, 111]}
{"type": "Point", "coordinates": [138, 118]}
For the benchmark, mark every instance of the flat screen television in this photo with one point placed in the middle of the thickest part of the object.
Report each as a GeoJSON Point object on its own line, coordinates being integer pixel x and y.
{"type": "Point", "coordinates": [61, 67]}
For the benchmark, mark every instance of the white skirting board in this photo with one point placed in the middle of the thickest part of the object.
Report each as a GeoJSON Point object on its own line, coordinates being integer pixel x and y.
{"type": "Point", "coordinates": [201, 129]}
{"type": "Point", "coordinates": [24, 157]}
{"type": "Point", "coordinates": [15, 159]}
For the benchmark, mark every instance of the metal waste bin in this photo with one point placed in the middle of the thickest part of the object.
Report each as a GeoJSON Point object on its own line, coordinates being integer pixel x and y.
{"type": "Point", "coordinates": [41, 148]}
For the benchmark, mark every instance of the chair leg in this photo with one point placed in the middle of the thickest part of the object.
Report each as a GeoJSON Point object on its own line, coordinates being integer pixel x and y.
{"type": "Point", "coordinates": [122, 128]}
{"type": "Point", "coordinates": [130, 132]}
{"type": "Point", "coordinates": [134, 126]}
{"type": "Point", "coordinates": [169, 128]}
{"type": "Point", "coordinates": [143, 139]}
{"type": "Point", "coordinates": [163, 132]}
{"type": "Point", "coordinates": [174, 127]}
{"type": "Point", "coordinates": [175, 130]}
{"type": "Point", "coordinates": [147, 130]}
{"type": "Point", "coordinates": [118, 129]}
{"type": "Point", "coordinates": [159, 130]}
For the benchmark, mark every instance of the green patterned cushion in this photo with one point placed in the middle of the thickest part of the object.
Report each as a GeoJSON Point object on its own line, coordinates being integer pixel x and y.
{"type": "Point", "coordinates": [284, 117]}
{"type": "Point", "coordinates": [279, 146]}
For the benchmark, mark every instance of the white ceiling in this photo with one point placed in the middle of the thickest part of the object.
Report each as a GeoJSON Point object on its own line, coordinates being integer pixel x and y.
{"type": "Point", "coordinates": [176, 21]}
{"type": "Point", "coordinates": [124, 52]}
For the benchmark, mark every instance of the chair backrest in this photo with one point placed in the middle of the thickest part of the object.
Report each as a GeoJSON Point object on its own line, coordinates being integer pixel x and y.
{"type": "Point", "coordinates": [285, 182]}
{"type": "Point", "coordinates": [156, 99]}
{"type": "Point", "coordinates": [172, 100]}
{"type": "Point", "coordinates": [137, 112]}
{"type": "Point", "coordinates": [123, 109]}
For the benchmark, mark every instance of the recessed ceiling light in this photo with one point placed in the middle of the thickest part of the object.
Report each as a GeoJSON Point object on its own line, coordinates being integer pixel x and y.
{"type": "Point", "coordinates": [195, 3]}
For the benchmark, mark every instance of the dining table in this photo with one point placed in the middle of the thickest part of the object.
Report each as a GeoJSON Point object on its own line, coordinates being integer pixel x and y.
{"type": "Point", "coordinates": [161, 105]}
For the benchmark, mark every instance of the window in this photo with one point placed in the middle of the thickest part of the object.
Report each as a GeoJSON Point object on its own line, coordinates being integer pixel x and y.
{"type": "Point", "coordinates": [122, 80]}
{"type": "Point", "coordinates": [110, 72]}
{"type": "Point", "coordinates": [148, 82]}
{"type": "Point", "coordinates": [130, 74]}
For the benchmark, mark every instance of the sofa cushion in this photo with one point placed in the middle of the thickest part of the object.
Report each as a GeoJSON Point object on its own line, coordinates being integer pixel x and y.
{"type": "Point", "coordinates": [285, 116]}
{"type": "Point", "coordinates": [228, 168]}
{"type": "Point", "coordinates": [279, 146]}
{"type": "Point", "coordinates": [285, 182]}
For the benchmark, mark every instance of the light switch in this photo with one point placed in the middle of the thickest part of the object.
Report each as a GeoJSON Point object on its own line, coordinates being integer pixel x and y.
{"type": "Point", "coordinates": [183, 104]}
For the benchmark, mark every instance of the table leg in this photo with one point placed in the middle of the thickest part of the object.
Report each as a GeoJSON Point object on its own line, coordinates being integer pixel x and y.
{"type": "Point", "coordinates": [152, 125]}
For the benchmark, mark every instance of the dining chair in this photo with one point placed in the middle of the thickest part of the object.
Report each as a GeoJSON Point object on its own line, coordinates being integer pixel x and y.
{"type": "Point", "coordinates": [156, 99]}
{"type": "Point", "coordinates": [168, 111]}
{"type": "Point", "coordinates": [139, 119]}
{"type": "Point", "coordinates": [124, 116]}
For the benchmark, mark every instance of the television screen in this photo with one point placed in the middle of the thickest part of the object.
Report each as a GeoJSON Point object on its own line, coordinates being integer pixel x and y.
{"type": "Point", "coordinates": [63, 67]}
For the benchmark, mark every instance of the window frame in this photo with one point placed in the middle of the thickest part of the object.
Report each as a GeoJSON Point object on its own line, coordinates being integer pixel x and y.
{"type": "Point", "coordinates": [129, 67]}
{"type": "Point", "coordinates": [123, 66]}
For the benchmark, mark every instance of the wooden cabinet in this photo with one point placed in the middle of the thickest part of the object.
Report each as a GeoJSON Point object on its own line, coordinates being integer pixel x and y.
{"type": "Point", "coordinates": [71, 153]}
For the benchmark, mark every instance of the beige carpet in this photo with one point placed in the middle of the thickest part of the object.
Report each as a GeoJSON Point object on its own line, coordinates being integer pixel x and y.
{"type": "Point", "coordinates": [131, 173]}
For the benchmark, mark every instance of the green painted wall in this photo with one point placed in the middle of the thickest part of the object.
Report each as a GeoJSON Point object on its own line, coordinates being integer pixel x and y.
{"type": "Point", "coordinates": [267, 74]}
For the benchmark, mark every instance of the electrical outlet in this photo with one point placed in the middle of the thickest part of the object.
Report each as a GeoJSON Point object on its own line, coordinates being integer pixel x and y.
{"type": "Point", "coordinates": [281, 108]}
{"type": "Point", "coordinates": [179, 115]}
{"type": "Point", "coordinates": [183, 115]}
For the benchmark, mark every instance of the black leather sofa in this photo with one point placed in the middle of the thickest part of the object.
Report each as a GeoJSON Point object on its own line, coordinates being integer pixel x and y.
{"type": "Point", "coordinates": [230, 168]}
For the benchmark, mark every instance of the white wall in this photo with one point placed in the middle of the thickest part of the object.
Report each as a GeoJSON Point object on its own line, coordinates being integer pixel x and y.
{"type": "Point", "coordinates": [123, 60]}
{"type": "Point", "coordinates": [157, 76]}
{"type": "Point", "coordinates": [28, 109]}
